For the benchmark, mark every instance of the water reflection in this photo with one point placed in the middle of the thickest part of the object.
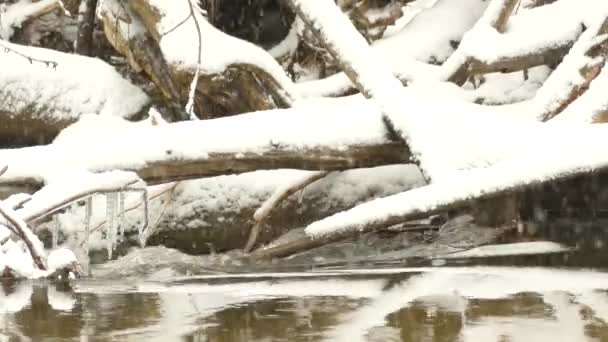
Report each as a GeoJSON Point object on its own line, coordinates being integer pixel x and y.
{"type": "Point", "coordinates": [428, 304]}
{"type": "Point", "coordinates": [469, 303]}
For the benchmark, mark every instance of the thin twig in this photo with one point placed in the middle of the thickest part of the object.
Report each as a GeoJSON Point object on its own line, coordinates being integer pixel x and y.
{"type": "Point", "coordinates": [279, 196]}
{"type": "Point", "coordinates": [178, 25]}
{"type": "Point", "coordinates": [48, 63]}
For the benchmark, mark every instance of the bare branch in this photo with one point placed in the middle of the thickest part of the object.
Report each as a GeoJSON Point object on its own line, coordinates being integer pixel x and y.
{"type": "Point", "coordinates": [279, 196]}
{"type": "Point", "coordinates": [21, 229]}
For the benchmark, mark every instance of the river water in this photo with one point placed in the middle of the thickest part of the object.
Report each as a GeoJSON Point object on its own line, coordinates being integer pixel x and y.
{"type": "Point", "coordinates": [552, 297]}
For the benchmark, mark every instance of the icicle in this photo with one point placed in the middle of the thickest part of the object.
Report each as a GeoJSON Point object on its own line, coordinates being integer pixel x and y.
{"type": "Point", "coordinates": [111, 201]}
{"type": "Point", "coordinates": [88, 213]}
{"type": "Point", "coordinates": [141, 229]}
{"type": "Point", "coordinates": [121, 215]}
{"type": "Point", "coordinates": [56, 229]}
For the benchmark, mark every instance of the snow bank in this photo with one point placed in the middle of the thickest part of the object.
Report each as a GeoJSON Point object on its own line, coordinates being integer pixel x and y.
{"type": "Point", "coordinates": [67, 87]}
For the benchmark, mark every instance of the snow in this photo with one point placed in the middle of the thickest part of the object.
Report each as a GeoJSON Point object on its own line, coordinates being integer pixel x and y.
{"type": "Point", "coordinates": [567, 76]}
{"type": "Point", "coordinates": [409, 51]}
{"type": "Point", "coordinates": [505, 88]}
{"type": "Point", "coordinates": [17, 258]}
{"type": "Point", "coordinates": [60, 258]}
{"type": "Point", "coordinates": [290, 43]}
{"type": "Point", "coordinates": [425, 37]}
{"type": "Point", "coordinates": [587, 107]}
{"type": "Point", "coordinates": [16, 200]}
{"type": "Point", "coordinates": [76, 85]}
{"type": "Point", "coordinates": [65, 189]}
{"type": "Point", "coordinates": [561, 24]}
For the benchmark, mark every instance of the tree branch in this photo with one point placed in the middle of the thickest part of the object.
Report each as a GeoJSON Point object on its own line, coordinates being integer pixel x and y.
{"type": "Point", "coordinates": [279, 196]}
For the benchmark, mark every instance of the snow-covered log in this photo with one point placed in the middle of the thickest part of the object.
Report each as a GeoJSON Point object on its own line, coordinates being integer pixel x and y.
{"type": "Point", "coordinates": [332, 137]}
{"type": "Point", "coordinates": [591, 106]}
{"type": "Point", "coordinates": [522, 44]}
{"type": "Point", "coordinates": [563, 160]}
{"type": "Point", "coordinates": [43, 91]}
{"type": "Point", "coordinates": [69, 188]}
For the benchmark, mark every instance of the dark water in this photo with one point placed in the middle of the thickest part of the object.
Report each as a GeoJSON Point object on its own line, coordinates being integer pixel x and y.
{"type": "Point", "coordinates": [550, 297]}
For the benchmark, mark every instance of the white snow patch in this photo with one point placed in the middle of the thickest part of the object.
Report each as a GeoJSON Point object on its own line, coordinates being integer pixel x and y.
{"type": "Point", "coordinates": [76, 85]}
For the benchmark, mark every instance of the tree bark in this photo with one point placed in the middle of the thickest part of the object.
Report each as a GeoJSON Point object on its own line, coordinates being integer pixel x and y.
{"type": "Point", "coordinates": [86, 27]}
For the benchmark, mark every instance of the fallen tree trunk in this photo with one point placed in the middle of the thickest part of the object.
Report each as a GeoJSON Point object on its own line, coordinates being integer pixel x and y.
{"type": "Point", "coordinates": [458, 192]}
{"type": "Point", "coordinates": [263, 140]}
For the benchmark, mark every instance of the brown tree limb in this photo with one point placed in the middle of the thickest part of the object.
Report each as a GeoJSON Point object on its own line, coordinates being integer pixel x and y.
{"type": "Point", "coordinates": [279, 196]}
{"type": "Point", "coordinates": [327, 159]}
{"type": "Point", "coordinates": [552, 55]}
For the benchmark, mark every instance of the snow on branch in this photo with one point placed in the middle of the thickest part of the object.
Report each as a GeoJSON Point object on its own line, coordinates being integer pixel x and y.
{"type": "Point", "coordinates": [496, 16]}
{"type": "Point", "coordinates": [18, 225]}
{"type": "Point", "coordinates": [534, 36]}
{"type": "Point", "coordinates": [66, 189]}
{"type": "Point", "coordinates": [574, 75]}
{"type": "Point", "coordinates": [409, 51]}
{"type": "Point", "coordinates": [591, 106]}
